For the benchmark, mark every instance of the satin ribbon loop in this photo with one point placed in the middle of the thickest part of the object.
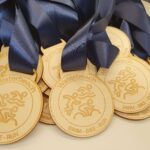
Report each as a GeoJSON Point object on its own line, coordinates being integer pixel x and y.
{"type": "Point", "coordinates": [15, 33]}
{"type": "Point", "coordinates": [136, 24]}
{"type": "Point", "coordinates": [74, 56]}
{"type": "Point", "coordinates": [91, 41]}
{"type": "Point", "coordinates": [136, 14]}
{"type": "Point", "coordinates": [55, 19]}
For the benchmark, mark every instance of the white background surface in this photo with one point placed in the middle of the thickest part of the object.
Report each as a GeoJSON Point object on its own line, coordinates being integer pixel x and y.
{"type": "Point", "coordinates": [121, 135]}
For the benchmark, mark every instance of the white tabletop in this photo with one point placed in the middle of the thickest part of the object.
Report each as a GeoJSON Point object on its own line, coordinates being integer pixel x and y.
{"type": "Point", "coordinates": [122, 134]}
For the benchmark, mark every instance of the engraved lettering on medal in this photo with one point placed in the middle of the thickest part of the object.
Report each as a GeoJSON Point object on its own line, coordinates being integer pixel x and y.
{"type": "Point", "coordinates": [81, 103]}
{"type": "Point", "coordinates": [125, 83]}
{"type": "Point", "coordinates": [9, 105]}
{"type": "Point", "coordinates": [11, 136]}
{"type": "Point", "coordinates": [77, 130]}
{"type": "Point", "coordinates": [90, 130]}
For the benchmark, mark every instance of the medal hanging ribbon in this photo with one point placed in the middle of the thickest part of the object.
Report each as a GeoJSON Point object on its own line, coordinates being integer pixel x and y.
{"type": "Point", "coordinates": [56, 19]}
{"type": "Point", "coordinates": [14, 32]}
{"type": "Point", "coordinates": [136, 23]}
{"type": "Point", "coordinates": [91, 41]}
{"type": "Point", "coordinates": [51, 25]}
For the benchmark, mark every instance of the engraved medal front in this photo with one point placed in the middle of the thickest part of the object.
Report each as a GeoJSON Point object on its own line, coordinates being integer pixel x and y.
{"type": "Point", "coordinates": [20, 108]}
{"type": "Point", "coordinates": [81, 105]}
{"type": "Point", "coordinates": [129, 82]}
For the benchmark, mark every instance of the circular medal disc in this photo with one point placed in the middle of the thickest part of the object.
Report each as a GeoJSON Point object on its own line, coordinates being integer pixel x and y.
{"type": "Point", "coordinates": [81, 105]}
{"type": "Point", "coordinates": [51, 62]}
{"type": "Point", "coordinates": [46, 116]}
{"type": "Point", "coordinates": [119, 39]}
{"type": "Point", "coordinates": [20, 108]}
{"type": "Point", "coordinates": [129, 82]}
{"type": "Point", "coordinates": [135, 116]}
{"type": "Point", "coordinates": [4, 66]}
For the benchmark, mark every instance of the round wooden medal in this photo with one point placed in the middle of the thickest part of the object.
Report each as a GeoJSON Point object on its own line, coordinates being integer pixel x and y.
{"type": "Point", "coordinates": [20, 108]}
{"type": "Point", "coordinates": [81, 105]}
{"type": "Point", "coordinates": [129, 82]}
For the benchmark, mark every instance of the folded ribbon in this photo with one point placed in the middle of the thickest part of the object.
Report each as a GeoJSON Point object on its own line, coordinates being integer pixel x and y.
{"type": "Point", "coordinates": [136, 23]}
{"type": "Point", "coordinates": [81, 23]}
{"type": "Point", "coordinates": [56, 19]}
{"type": "Point", "coordinates": [91, 41]}
{"type": "Point", "coordinates": [15, 33]}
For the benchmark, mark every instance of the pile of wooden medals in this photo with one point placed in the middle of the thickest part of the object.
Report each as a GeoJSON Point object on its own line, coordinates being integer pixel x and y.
{"type": "Point", "coordinates": [81, 103]}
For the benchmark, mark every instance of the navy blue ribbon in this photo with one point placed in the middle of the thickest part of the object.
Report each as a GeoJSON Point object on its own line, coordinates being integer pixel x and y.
{"type": "Point", "coordinates": [14, 32]}
{"type": "Point", "coordinates": [26, 25]}
{"type": "Point", "coordinates": [56, 19]}
{"type": "Point", "coordinates": [91, 41]}
{"type": "Point", "coordinates": [131, 16]}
